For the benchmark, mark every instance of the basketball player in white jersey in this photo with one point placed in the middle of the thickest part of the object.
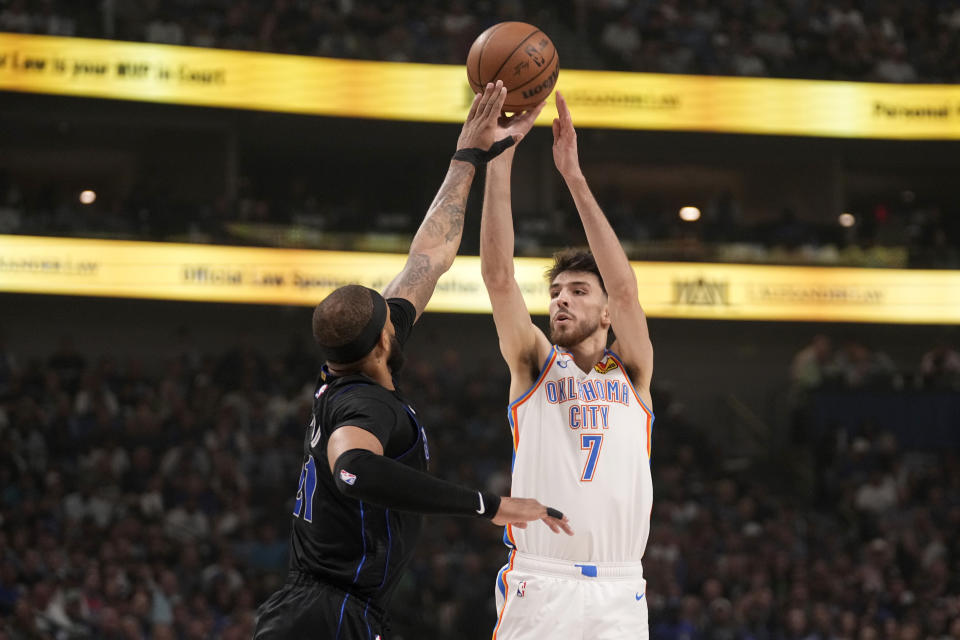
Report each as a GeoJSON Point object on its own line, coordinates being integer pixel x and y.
{"type": "Point", "coordinates": [580, 418]}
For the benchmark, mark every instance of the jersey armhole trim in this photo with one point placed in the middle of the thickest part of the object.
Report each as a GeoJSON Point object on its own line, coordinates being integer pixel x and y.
{"type": "Point", "coordinates": [420, 433]}
{"type": "Point", "coordinates": [626, 377]}
{"type": "Point", "coordinates": [512, 408]}
{"type": "Point", "coordinates": [543, 373]}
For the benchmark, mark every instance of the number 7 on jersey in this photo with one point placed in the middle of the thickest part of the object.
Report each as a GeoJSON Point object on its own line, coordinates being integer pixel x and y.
{"type": "Point", "coordinates": [592, 444]}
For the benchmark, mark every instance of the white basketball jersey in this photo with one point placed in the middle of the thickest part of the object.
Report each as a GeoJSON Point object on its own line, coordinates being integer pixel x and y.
{"type": "Point", "coordinates": [581, 444]}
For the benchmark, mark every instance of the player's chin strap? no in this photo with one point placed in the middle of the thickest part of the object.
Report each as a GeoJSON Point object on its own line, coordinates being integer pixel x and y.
{"type": "Point", "coordinates": [479, 157]}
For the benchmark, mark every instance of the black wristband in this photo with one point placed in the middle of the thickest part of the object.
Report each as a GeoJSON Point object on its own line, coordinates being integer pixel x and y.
{"type": "Point", "coordinates": [366, 476]}
{"type": "Point", "coordinates": [478, 157]}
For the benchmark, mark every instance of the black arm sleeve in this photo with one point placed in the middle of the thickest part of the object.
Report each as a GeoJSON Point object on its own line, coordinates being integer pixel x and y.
{"type": "Point", "coordinates": [366, 476]}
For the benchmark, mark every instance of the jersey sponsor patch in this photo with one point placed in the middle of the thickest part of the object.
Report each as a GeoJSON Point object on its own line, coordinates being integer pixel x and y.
{"type": "Point", "coordinates": [606, 366]}
{"type": "Point", "coordinates": [347, 477]}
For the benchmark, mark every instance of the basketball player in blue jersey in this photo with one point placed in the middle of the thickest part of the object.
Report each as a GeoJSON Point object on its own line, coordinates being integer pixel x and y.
{"type": "Point", "coordinates": [363, 483]}
{"type": "Point", "coordinates": [580, 419]}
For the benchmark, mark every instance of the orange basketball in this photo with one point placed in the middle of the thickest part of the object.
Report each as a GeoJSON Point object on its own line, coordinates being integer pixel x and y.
{"type": "Point", "coordinates": [519, 54]}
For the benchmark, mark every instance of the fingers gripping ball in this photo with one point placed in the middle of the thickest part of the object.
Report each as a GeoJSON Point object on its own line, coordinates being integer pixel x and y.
{"type": "Point", "coordinates": [519, 54]}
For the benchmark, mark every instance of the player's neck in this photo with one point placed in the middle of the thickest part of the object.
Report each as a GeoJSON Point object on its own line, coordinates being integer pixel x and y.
{"type": "Point", "coordinates": [589, 351]}
{"type": "Point", "coordinates": [381, 375]}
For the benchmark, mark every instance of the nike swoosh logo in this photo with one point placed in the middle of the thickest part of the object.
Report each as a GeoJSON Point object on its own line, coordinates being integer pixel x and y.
{"type": "Point", "coordinates": [640, 596]}
{"type": "Point", "coordinates": [481, 510]}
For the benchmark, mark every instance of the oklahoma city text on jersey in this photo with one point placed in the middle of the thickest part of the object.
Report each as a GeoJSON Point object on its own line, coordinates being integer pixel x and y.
{"type": "Point", "coordinates": [582, 443]}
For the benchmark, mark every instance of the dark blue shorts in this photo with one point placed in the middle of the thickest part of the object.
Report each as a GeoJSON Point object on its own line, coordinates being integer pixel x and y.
{"type": "Point", "coordinates": [308, 609]}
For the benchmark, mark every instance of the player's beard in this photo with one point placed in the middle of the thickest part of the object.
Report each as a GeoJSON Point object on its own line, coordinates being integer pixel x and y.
{"type": "Point", "coordinates": [572, 336]}
{"type": "Point", "coordinates": [396, 358]}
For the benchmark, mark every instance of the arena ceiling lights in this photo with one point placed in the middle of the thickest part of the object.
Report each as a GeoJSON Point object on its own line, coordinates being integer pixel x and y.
{"type": "Point", "coordinates": [440, 93]}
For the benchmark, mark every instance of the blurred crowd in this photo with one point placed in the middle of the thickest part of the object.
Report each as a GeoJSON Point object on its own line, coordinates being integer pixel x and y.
{"type": "Point", "coordinates": [150, 500]}
{"type": "Point", "coordinates": [137, 503]}
{"type": "Point", "coordinates": [864, 40]}
{"type": "Point", "coordinates": [439, 32]}
{"type": "Point", "coordinates": [902, 232]}
{"type": "Point", "coordinates": [875, 40]}
{"type": "Point", "coordinates": [855, 365]}
{"type": "Point", "coordinates": [875, 556]}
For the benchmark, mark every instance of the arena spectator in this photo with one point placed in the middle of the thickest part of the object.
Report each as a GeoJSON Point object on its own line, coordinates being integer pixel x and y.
{"type": "Point", "coordinates": [892, 65]}
{"type": "Point", "coordinates": [940, 367]}
{"type": "Point", "coordinates": [860, 367]}
{"type": "Point", "coordinates": [620, 40]}
{"type": "Point", "coordinates": [813, 365]}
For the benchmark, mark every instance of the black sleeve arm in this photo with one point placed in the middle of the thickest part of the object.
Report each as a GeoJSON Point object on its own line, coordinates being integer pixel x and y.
{"type": "Point", "coordinates": [373, 478]}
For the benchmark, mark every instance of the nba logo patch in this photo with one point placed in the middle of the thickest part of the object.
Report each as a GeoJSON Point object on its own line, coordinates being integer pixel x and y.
{"type": "Point", "coordinates": [347, 477]}
{"type": "Point", "coordinates": [521, 589]}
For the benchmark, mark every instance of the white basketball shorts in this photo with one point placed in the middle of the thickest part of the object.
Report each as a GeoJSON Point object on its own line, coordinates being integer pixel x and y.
{"type": "Point", "coordinates": [541, 598]}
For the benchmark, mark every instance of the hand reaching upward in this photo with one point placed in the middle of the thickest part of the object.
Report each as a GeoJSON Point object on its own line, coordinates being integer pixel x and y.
{"type": "Point", "coordinates": [565, 154]}
{"type": "Point", "coordinates": [480, 129]}
{"type": "Point", "coordinates": [519, 124]}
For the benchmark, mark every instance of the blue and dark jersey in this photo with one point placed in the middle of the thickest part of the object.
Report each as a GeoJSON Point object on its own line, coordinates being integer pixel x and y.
{"type": "Point", "coordinates": [356, 546]}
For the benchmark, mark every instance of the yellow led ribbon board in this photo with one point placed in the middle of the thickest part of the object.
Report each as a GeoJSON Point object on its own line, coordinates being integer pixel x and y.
{"type": "Point", "coordinates": [440, 93]}
{"type": "Point", "coordinates": [293, 277]}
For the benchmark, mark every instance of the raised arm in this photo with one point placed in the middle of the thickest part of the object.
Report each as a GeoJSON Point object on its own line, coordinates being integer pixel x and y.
{"type": "Point", "coordinates": [437, 240]}
{"type": "Point", "coordinates": [522, 344]}
{"type": "Point", "coordinates": [629, 321]}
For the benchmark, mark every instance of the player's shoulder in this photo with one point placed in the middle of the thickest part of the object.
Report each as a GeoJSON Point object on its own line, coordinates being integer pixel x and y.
{"type": "Point", "coordinates": [633, 372]}
{"type": "Point", "coordinates": [613, 360]}
{"type": "Point", "coordinates": [532, 364]}
{"type": "Point", "coordinates": [402, 310]}
{"type": "Point", "coordinates": [622, 353]}
{"type": "Point", "coordinates": [401, 304]}
{"type": "Point", "coordinates": [353, 389]}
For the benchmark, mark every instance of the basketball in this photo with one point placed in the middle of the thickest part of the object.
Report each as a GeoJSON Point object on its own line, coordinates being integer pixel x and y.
{"type": "Point", "coordinates": [519, 54]}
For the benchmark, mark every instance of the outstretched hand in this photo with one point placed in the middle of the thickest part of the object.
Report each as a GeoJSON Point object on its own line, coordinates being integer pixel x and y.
{"type": "Point", "coordinates": [480, 128]}
{"type": "Point", "coordinates": [565, 154]}
{"type": "Point", "coordinates": [518, 512]}
{"type": "Point", "coordinates": [519, 124]}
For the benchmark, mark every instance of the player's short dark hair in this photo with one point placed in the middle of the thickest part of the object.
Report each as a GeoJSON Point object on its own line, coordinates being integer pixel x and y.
{"type": "Point", "coordinates": [342, 315]}
{"type": "Point", "coordinates": [574, 260]}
